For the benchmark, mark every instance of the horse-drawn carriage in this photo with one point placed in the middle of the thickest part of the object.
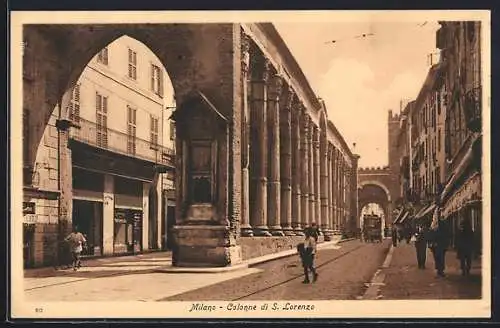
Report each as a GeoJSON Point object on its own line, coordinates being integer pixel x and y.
{"type": "Point", "coordinates": [372, 228]}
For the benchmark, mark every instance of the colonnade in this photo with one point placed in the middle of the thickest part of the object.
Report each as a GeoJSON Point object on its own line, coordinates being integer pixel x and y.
{"type": "Point", "coordinates": [292, 174]}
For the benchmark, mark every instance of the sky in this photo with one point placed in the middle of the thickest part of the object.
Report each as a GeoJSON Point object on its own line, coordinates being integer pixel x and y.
{"type": "Point", "coordinates": [360, 79]}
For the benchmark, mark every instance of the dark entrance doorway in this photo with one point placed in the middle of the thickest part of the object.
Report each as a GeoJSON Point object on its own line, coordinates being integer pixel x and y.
{"type": "Point", "coordinates": [87, 216]}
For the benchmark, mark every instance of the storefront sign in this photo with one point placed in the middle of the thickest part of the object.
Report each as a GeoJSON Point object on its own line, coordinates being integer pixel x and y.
{"type": "Point", "coordinates": [470, 190]}
{"type": "Point", "coordinates": [28, 207]}
{"type": "Point", "coordinates": [29, 219]}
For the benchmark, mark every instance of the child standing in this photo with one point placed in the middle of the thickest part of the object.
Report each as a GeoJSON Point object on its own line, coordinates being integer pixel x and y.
{"type": "Point", "coordinates": [307, 251]}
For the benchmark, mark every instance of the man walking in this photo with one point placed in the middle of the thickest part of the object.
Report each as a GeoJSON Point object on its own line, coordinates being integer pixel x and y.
{"type": "Point", "coordinates": [465, 240]}
{"type": "Point", "coordinates": [76, 241]}
{"type": "Point", "coordinates": [421, 247]}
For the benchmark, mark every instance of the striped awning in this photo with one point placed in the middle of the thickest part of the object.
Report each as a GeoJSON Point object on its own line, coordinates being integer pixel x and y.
{"type": "Point", "coordinates": [403, 214]}
{"type": "Point", "coordinates": [424, 211]}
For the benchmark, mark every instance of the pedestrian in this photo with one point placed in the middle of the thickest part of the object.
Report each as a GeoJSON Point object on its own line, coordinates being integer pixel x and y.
{"type": "Point", "coordinates": [394, 236]}
{"type": "Point", "coordinates": [465, 244]}
{"type": "Point", "coordinates": [76, 241]}
{"type": "Point", "coordinates": [438, 243]}
{"type": "Point", "coordinates": [315, 231]}
{"type": "Point", "coordinates": [307, 251]}
{"type": "Point", "coordinates": [421, 247]}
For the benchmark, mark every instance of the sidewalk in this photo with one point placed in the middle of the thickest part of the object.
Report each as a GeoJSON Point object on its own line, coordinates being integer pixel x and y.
{"type": "Point", "coordinates": [160, 256]}
{"type": "Point", "coordinates": [403, 279]}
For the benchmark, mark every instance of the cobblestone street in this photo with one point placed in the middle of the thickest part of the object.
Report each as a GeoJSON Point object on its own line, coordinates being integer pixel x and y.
{"type": "Point", "coordinates": [342, 274]}
{"type": "Point", "coordinates": [343, 270]}
{"type": "Point", "coordinates": [403, 279]}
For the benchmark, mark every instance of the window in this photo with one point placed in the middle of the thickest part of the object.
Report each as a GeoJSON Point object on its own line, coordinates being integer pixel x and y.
{"type": "Point", "coordinates": [102, 56]}
{"type": "Point", "coordinates": [154, 132]}
{"type": "Point", "coordinates": [132, 64]}
{"type": "Point", "coordinates": [157, 80]}
{"type": "Point", "coordinates": [101, 120]}
{"type": "Point", "coordinates": [131, 129]}
{"type": "Point", "coordinates": [172, 130]}
{"type": "Point", "coordinates": [74, 105]}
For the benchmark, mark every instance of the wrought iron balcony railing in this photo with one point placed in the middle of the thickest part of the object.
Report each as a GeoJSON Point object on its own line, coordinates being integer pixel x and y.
{"type": "Point", "coordinates": [473, 108]}
{"type": "Point", "coordinates": [98, 136]}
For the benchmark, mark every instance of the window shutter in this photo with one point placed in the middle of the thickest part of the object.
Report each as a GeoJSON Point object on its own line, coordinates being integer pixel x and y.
{"type": "Point", "coordinates": [98, 102]}
{"type": "Point", "coordinates": [152, 77]}
{"type": "Point", "coordinates": [160, 77]}
{"type": "Point", "coordinates": [105, 104]}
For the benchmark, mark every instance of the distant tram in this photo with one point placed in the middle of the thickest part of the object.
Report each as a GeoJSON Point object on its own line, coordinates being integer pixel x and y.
{"type": "Point", "coordinates": [372, 228]}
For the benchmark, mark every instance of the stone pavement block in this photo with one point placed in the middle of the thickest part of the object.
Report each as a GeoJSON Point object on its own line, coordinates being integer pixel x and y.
{"type": "Point", "coordinates": [404, 280]}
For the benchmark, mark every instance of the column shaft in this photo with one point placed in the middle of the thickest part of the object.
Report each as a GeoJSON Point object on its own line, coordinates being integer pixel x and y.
{"type": "Point", "coordinates": [324, 183]}
{"type": "Point", "coordinates": [330, 189]}
{"type": "Point", "coordinates": [258, 218]}
{"type": "Point", "coordinates": [304, 164]}
{"type": "Point", "coordinates": [317, 179]}
{"type": "Point", "coordinates": [246, 229]}
{"type": "Point", "coordinates": [297, 152]}
{"type": "Point", "coordinates": [312, 181]}
{"type": "Point", "coordinates": [274, 180]}
{"type": "Point", "coordinates": [286, 161]}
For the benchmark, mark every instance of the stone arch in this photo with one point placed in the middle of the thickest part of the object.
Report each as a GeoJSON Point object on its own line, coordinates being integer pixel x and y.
{"type": "Point", "coordinates": [374, 192]}
{"type": "Point", "coordinates": [378, 184]}
{"type": "Point", "coordinates": [195, 56]}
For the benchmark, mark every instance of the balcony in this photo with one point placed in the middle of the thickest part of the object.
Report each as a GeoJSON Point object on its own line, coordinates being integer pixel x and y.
{"type": "Point", "coordinates": [473, 108]}
{"type": "Point", "coordinates": [115, 141]}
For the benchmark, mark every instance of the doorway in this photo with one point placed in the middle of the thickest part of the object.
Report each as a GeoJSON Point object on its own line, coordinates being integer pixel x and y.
{"type": "Point", "coordinates": [87, 216]}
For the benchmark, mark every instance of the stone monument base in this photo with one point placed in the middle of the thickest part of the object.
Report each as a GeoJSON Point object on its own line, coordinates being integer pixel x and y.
{"type": "Point", "coordinates": [205, 246]}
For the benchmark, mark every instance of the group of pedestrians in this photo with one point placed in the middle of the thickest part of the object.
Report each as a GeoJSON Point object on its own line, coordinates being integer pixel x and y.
{"type": "Point", "coordinates": [437, 239]}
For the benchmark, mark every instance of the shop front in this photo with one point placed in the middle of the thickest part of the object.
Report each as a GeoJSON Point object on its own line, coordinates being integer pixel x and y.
{"type": "Point", "coordinates": [127, 232]}
{"type": "Point", "coordinates": [465, 204]}
{"type": "Point", "coordinates": [128, 216]}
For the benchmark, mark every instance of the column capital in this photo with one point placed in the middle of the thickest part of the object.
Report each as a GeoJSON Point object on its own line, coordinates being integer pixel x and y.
{"type": "Point", "coordinates": [288, 95]}
{"type": "Point", "coordinates": [275, 84]}
{"type": "Point", "coordinates": [245, 51]}
{"type": "Point", "coordinates": [316, 134]}
{"type": "Point", "coordinates": [260, 67]}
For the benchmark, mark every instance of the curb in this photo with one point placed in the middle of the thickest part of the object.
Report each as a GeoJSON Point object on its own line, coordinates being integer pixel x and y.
{"type": "Point", "coordinates": [373, 290]}
{"type": "Point", "coordinates": [247, 263]}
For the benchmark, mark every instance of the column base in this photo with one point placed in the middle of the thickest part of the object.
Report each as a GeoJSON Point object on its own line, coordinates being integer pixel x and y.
{"type": "Point", "coordinates": [298, 231]}
{"type": "Point", "coordinates": [288, 231]}
{"type": "Point", "coordinates": [276, 231]}
{"type": "Point", "coordinates": [246, 231]}
{"type": "Point", "coordinates": [261, 232]}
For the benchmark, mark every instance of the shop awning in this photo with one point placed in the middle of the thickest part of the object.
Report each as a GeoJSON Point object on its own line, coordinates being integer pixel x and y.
{"type": "Point", "coordinates": [401, 216]}
{"type": "Point", "coordinates": [426, 210]}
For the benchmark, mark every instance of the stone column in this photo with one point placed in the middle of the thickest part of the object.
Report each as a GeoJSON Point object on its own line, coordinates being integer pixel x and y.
{"type": "Point", "coordinates": [286, 161]}
{"type": "Point", "coordinates": [312, 181]}
{"type": "Point", "coordinates": [317, 178]}
{"type": "Point", "coordinates": [274, 180]}
{"type": "Point", "coordinates": [304, 165]}
{"type": "Point", "coordinates": [65, 206]}
{"type": "Point", "coordinates": [246, 228]}
{"type": "Point", "coordinates": [260, 71]}
{"type": "Point", "coordinates": [145, 215]}
{"type": "Point", "coordinates": [108, 214]}
{"type": "Point", "coordinates": [297, 153]}
{"type": "Point", "coordinates": [330, 188]}
{"type": "Point", "coordinates": [324, 184]}
{"type": "Point", "coordinates": [336, 205]}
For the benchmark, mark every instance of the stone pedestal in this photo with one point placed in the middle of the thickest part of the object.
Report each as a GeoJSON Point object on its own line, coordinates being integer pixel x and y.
{"type": "Point", "coordinates": [202, 240]}
{"type": "Point", "coordinates": [205, 246]}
